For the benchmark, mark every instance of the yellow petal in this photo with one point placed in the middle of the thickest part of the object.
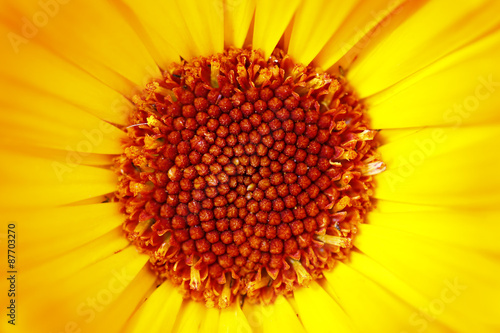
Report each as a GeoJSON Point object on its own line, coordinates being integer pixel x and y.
{"type": "Point", "coordinates": [237, 18]}
{"type": "Point", "coordinates": [156, 25]}
{"type": "Point", "coordinates": [398, 288]}
{"type": "Point", "coordinates": [440, 272]}
{"type": "Point", "coordinates": [278, 316]}
{"type": "Point", "coordinates": [25, 85]}
{"type": "Point", "coordinates": [211, 321]}
{"type": "Point", "coordinates": [390, 135]}
{"type": "Point", "coordinates": [460, 89]}
{"type": "Point", "coordinates": [310, 35]}
{"type": "Point", "coordinates": [205, 22]}
{"type": "Point", "coordinates": [232, 317]}
{"type": "Point", "coordinates": [434, 142]}
{"type": "Point", "coordinates": [377, 273]}
{"type": "Point", "coordinates": [51, 232]}
{"type": "Point", "coordinates": [315, 308]}
{"type": "Point", "coordinates": [169, 29]}
{"type": "Point", "coordinates": [387, 206]}
{"type": "Point", "coordinates": [271, 20]}
{"type": "Point", "coordinates": [451, 167]}
{"type": "Point", "coordinates": [158, 312]}
{"type": "Point", "coordinates": [457, 227]}
{"type": "Point", "coordinates": [120, 61]}
{"type": "Point", "coordinates": [190, 316]}
{"type": "Point", "coordinates": [68, 156]}
{"type": "Point", "coordinates": [115, 316]}
{"type": "Point", "coordinates": [68, 263]}
{"type": "Point", "coordinates": [428, 34]}
{"type": "Point", "coordinates": [422, 316]}
{"type": "Point", "coordinates": [355, 32]}
{"type": "Point", "coordinates": [82, 133]}
{"type": "Point", "coordinates": [29, 182]}
{"type": "Point", "coordinates": [86, 295]}
{"type": "Point", "coordinates": [353, 289]}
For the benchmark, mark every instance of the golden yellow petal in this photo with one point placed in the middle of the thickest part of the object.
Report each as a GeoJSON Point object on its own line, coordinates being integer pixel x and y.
{"type": "Point", "coordinates": [211, 321]}
{"type": "Point", "coordinates": [189, 317]}
{"type": "Point", "coordinates": [271, 20]}
{"type": "Point", "coordinates": [400, 290]}
{"type": "Point", "coordinates": [29, 97]}
{"type": "Point", "coordinates": [232, 317]}
{"type": "Point", "coordinates": [449, 167]}
{"type": "Point", "coordinates": [65, 264]}
{"type": "Point", "coordinates": [108, 48]}
{"type": "Point", "coordinates": [456, 227]}
{"type": "Point", "coordinates": [310, 35]}
{"type": "Point", "coordinates": [457, 90]}
{"type": "Point", "coordinates": [28, 124]}
{"type": "Point", "coordinates": [354, 289]}
{"type": "Point", "coordinates": [440, 272]}
{"type": "Point", "coordinates": [390, 135]}
{"type": "Point", "coordinates": [205, 22]}
{"type": "Point", "coordinates": [29, 182]}
{"type": "Point", "coordinates": [115, 317]}
{"type": "Point", "coordinates": [49, 233]}
{"type": "Point", "coordinates": [70, 157]}
{"type": "Point", "coordinates": [158, 312]}
{"type": "Point", "coordinates": [160, 27]}
{"type": "Point", "coordinates": [27, 88]}
{"type": "Point", "coordinates": [355, 32]}
{"type": "Point", "coordinates": [434, 142]}
{"type": "Point", "coordinates": [314, 306]}
{"type": "Point", "coordinates": [387, 206]}
{"type": "Point", "coordinates": [237, 18]}
{"type": "Point", "coordinates": [427, 33]}
{"type": "Point", "coordinates": [275, 317]}
{"type": "Point", "coordinates": [86, 295]}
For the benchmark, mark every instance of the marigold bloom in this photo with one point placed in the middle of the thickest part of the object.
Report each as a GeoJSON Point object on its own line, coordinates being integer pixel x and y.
{"type": "Point", "coordinates": [427, 76]}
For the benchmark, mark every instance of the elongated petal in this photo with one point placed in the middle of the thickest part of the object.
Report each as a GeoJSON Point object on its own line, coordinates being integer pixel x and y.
{"type": "Point", "coordinates": [237, 19]}
{"type": "Point", "coordinates": [313, 305]}
{"type": "Point", "coordinates": [158, 312]}
{"type": "Point", "coordinates": [447, 167]}
{"type": "Point", "coordinates": [271, 318]}
{"type": "Point", "coordinates": [460, 89]}
{"type": "Point", "coordinates": [354, 33]}
{"type": "Point", "coordinates": [440, 272]}
{"type": "Point", "coordinates": [271, 20]}
{"type": "Point", "coordinates": [205, 22]}
{"type": "Point", "coordinates": [374, 69]}
{"type": "Point", "coordinates": [31, 182]}
{"type": "Point", "coordinates": [87, 294]}
{"type": "Point", "coordinates": [48, 233]}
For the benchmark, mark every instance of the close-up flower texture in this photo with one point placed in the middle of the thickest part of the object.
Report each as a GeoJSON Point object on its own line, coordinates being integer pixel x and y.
{"type": "Point", "coordinates": [250, 166]}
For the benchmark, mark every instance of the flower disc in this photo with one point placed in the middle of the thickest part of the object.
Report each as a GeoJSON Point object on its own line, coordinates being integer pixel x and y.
{"type": "Point", "coordinates": [245, 176]}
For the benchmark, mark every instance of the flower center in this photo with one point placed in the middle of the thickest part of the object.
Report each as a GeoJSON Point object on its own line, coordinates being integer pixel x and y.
{"type": "Point", "coordinates": [245, 176]}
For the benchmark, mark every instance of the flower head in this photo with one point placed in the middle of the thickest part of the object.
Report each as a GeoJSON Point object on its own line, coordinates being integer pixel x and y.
{"type": "Point", "coordinates": [98, 98]}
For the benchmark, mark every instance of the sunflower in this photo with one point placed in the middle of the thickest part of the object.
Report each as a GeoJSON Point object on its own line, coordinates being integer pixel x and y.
{"type": "Point", "coordinates": [426, 74]}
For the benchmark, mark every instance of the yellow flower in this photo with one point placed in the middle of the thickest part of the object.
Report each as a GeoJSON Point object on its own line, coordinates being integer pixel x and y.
{"type": "Point", "coordinates": [426, 261]}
